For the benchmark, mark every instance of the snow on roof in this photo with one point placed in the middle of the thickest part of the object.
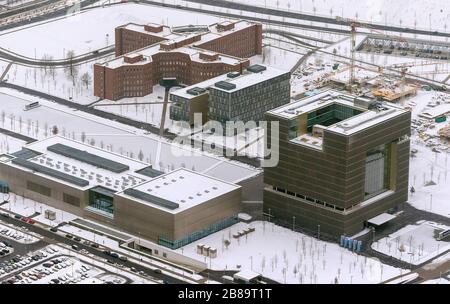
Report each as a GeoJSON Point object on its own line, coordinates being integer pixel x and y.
{"type": "Point", "coordinates": [436, 111]}
{"type": "Point", "coordinates": [351, 125]}
{"type": "Point", "coordinates": [381, 219]}
{"type": "Point", "coordinates": [141, 28]}
{"type": "Point", "coordinates": [149, 51]}
{"type": "Point", "coordinates": [248, 79]}
{"type": "Point", "coordinates": [185, 188]}
{"type": "Point", "coordinates": [94, 175]}
{"type": "Point", "coordinates": [245, 80]}
{"type": "Point", "coordinates": [246, 275]}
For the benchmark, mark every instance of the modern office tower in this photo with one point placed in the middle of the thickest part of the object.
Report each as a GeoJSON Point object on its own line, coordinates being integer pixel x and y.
{"type": "Point", "coordinates": [233, 96]}
{"type": "Point", "coordinates": [343, 160]}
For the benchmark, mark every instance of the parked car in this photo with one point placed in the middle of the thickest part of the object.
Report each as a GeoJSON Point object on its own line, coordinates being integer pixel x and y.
{"type": "Point", "coordinates": [54, 229]}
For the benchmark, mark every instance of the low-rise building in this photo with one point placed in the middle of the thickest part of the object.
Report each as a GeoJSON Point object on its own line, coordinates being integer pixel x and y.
{"type": "Point", "coordinates": [171, 209]}
{"type": "Point", "coordinates": [146, 54]}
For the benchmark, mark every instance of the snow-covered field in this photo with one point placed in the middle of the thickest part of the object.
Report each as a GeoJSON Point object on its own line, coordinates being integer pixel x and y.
{"type": "Point", "coordinates": [57, 81]}
{"type": "Point", "coordinates": [286, 256]}
{"type": "Point", "coordinates": [10, 144]}
{"type": "Point", "coordinates": [413, 244]}
{"type": "Point", "coordinates": [415, 13]}
{"type": "Point", "coordinates": [76, 32]}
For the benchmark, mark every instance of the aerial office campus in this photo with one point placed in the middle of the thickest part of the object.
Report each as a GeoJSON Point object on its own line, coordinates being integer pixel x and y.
{"type": "Point", "coordinates": [204, 142]}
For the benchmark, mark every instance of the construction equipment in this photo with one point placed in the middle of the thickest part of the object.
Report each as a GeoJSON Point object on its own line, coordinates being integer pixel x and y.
{"type": "Point", "coordinates": [353, 25]}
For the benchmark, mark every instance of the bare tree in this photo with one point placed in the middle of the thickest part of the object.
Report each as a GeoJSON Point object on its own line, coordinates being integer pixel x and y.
{"type": "Point", "coordinates": [86, 79]}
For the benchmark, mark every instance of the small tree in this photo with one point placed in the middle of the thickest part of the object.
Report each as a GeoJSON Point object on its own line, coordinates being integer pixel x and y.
{"type": "Point", "coordinates": [55, 130]}
{"type": "Point", "coordinates": [86, 79]}
{"type": "Point", "coordinates": [226, 243]}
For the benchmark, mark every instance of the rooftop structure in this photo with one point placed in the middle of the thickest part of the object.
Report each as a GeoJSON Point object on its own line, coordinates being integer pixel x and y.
{"type": "Point", "coordinates": [180, 190]}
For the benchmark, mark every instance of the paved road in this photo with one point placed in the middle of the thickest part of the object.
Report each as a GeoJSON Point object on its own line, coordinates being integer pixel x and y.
{"type": "Point", "coordinates": [25, 7]}
{"type": "Point", "coordinates": [56, 63]}
{"type": "Point", "coordinates": [57, 13]}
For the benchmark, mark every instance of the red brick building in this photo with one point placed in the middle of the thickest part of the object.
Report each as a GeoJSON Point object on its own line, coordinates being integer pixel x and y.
{"type": "Point", "coordinates": [148, 53]}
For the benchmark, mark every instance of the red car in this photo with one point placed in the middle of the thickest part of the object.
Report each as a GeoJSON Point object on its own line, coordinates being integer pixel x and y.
{"type": "Point", "coordinates": [25, 219]}
{"type": "Point", "coordinates": [30, 221]}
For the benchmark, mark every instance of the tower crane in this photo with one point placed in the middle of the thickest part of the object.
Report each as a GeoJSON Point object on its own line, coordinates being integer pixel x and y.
{"type": "Point", "coordinates": [353, 26]}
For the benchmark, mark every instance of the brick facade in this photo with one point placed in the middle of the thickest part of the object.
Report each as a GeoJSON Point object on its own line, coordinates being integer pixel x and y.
{"type": "Point", "coordinates": [183, 56]}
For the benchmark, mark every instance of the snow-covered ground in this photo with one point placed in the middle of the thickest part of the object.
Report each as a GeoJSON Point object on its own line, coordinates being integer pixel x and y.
{"type": "Point", "coordinates": [10, 144]}
{"type": "Point", "coordinates": [413, 244]}
{"type": "Point", "coordinates": [422, 14]}
{"type": "Point", "coordinates": [428, 168]}
{"type": "Point", "coordinates": [112, 136]}
{"type": "Point", "coordinates": [287, 256]}
{"type": "Point", "coordinates": [57, 81]}
{"type": "Point", "coordinates": [76, 32]}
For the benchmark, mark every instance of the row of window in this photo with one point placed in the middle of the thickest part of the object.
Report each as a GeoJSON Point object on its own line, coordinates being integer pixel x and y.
{"type": "Point", "coordinates": [312, 200]}
{"type": "Point", "coordinates": [44, 190]}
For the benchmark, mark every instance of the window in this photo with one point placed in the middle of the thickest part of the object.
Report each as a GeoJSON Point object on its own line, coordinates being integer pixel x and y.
{"type": "Point", "coordinates": [41, 189]}
{"type": "Point", "coordinates": [377, 171]}
{"type": "Point", "coordinates": [70, 199]}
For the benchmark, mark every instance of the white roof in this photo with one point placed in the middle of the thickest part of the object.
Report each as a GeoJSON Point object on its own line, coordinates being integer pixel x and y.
{"type": "Point", "coordinates": [245, 80]}
{"type": "Point", "coordinates": [184, 187]}
{"type": "Point", "coordinates": [246, 275]}
{"type": "Point", "coordinates": [249, 79]}
{"type": "Point", "coordinates": [70, 166]}
{"type": "Point", "coordinates": [381, 219]}
{"type": "Point", "coordinates": [351, 125]}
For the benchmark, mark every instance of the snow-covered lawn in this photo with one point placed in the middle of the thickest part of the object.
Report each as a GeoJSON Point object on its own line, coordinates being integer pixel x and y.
{"type": "Point", "coordinates": [287, 256]}
{"type": "Point", "coordinates": [414, 244]}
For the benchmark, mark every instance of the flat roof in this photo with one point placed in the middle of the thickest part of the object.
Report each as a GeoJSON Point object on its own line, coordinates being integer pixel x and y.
{"type": "Point", "coordinates": [171, 37]}
{"type": "Point", "coordinates": [246, 275]}
{"type": "Point", "coordinates": [141, 29]}
{"type": "Point", "coordinates": [149, 51]}
{"type": "Point", "coordinates": [179, 190]}
{"type": "Point", "coordinates": [88, 158]}
{"type": "Point", "coordinates": [351, 125]}
{"type": "Point", "coordinates": [77, 168]}
{"type": "Point", "coordinates": [243, 80]}
{"type": "Point", "coordinates": [249, 78]}
{"type": "Point", "coordinates": [381, 219]}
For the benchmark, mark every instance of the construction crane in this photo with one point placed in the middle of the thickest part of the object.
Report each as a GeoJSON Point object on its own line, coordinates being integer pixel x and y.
{"type": "Point", "coordinates": [353, 25]}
